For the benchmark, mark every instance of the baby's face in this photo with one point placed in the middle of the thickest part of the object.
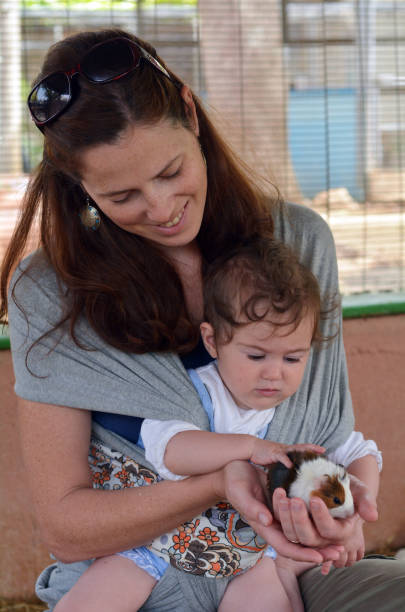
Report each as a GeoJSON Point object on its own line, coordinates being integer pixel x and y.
{"type": "Point", "coordinates": [264, 364]}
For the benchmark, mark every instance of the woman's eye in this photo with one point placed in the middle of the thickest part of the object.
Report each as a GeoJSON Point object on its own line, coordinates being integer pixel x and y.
{"type": "Point", "coordinates": [121, 200]}
{"type": "Point", "coordinates": [255, 357]}
{"type": "Point", "coordinates": [173, 175]}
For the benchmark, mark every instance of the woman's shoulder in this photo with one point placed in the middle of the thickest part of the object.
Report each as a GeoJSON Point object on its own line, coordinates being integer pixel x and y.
{"type": "Point", "coordinates": [35, 269]}
{"type": "Point", "coordinates": [309, 235]}
{"type": "Point", "coordinates": [293, 221]}
{"type": "Point", "coordinates": [35, 285]}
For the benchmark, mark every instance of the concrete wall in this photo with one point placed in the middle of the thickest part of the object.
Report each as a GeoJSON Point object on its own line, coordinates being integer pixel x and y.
{"type": "Point", "coordinates": [376, 355]}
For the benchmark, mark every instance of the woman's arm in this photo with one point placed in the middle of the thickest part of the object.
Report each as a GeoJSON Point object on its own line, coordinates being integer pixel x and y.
{"type": "Point", "coordinates": [78, 522]}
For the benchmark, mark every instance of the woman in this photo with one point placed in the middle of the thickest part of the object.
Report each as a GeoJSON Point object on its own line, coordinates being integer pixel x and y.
{"type": "Point", "coordinates": [137, 192]}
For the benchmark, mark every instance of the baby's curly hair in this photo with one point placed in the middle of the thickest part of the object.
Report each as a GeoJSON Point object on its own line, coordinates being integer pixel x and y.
{"type": "Point", "coordinates": [261, 280]}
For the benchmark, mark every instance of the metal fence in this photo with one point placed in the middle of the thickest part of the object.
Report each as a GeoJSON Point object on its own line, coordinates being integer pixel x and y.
{"type": "Point", "coordinates": [310, 93]}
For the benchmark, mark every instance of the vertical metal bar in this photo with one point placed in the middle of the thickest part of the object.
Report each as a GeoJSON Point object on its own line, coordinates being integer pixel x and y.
{"type": "Point", "coordinates": [68, 18]}
{"type": "Point", "coordinates": [155, 21]}
{"type": "Point", "coordinates": [362, 48]}
{"type": "Point", "coordinates": [241, 76]}
{"type": "Point", "coordinates": [284, 21]}
{"type": "Point", "coordinates": [26, 123]}
{"type": "Point", "coordinates": [140, 28]}
{"type": "Point", "coordinates": [199, 62]}
{"type": "Point", "coordinates": [401, 271]}
{"type": "Point", "coordinates": [326, 108]}
{"type": "Point", "coordinates": [285, 97]}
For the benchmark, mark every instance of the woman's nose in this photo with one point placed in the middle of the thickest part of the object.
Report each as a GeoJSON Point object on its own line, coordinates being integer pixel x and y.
{"type": "Point", "coordinates": [159, 208]}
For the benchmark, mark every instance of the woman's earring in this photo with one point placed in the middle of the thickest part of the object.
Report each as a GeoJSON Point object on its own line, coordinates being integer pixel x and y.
{"type": "Point", "coordinates": [89, 216]}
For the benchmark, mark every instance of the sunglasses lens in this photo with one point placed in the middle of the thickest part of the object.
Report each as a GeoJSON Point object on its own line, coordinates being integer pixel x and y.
{"type": "Point", "coordinates": [108, 61]}
{"type": "Point", "coordinates": [49, 97]}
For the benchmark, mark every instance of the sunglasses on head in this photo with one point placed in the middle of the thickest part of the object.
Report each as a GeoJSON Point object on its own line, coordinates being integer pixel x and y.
{"type": "Point", "coordinates": [105, 62]}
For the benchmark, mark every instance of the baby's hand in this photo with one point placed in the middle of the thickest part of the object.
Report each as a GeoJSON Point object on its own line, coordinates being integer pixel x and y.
{"type": "Point", "coordinates": [264, 452]}
{"type": "Point", "coordinates": [352, 551]}
{"type": "Point", "coordinates": [354, 547]}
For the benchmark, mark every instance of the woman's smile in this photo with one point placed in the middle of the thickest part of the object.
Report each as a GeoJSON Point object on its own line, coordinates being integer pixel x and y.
{"type": "Point", "coordinates": [176, 223]}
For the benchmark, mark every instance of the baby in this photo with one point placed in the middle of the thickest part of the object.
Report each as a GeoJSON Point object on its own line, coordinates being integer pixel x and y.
{"type": "Point", "coordinates": [263, 312]}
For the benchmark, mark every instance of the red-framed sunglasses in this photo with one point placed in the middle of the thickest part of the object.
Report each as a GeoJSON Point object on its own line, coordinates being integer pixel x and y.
{"type": "Point", "coordinates": [103, 63]}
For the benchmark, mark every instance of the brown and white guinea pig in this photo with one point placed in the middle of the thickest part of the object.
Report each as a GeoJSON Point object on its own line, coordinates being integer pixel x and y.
{"type": "Point", "coordinates": [313, 475]}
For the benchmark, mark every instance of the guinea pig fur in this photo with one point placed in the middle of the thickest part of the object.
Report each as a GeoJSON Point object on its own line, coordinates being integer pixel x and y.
{"type": "Point", "coordinates": [314, 475]}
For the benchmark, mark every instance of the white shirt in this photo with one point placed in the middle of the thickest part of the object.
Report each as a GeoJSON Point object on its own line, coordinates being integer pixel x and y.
{"type": "Point", "coordinates": [229, 418]}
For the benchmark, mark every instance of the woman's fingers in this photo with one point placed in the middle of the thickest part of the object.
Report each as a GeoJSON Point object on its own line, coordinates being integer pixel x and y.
{"type": "Point", "coordinates": [278, 496]}
{"type": "Point", "coordinates": [286, 520]}
{"type": "Point", "coordinates": [330, 529]}
{"type": "Point", "coordinates": [321, 531]}
{"type": "Point", "coordinates": [274, 536]}
{"type": "Point", "coordinates": [295, 521]}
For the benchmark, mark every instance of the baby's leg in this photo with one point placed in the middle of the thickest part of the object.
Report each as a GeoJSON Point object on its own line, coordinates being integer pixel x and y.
{"type": "Point", "coordinates": [288, 572]}
{"type": "Point", "coordinates": [111, 584]}
{"type": "Point", "coordinates": [258, 590]}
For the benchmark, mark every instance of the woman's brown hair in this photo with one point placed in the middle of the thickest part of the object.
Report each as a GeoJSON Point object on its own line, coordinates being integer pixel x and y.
{"type": "Point", "coordinates": [129, 292]}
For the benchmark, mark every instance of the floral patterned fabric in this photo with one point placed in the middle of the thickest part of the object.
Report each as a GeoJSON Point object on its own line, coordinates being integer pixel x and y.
{"type": "Point", "coordinates": [218, 543]}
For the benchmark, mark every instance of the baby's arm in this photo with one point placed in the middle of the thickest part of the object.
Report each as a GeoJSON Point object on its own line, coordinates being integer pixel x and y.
{"type": "Point", "coordinates": [363, 461]}
{"type": "Point", "coordinates": [355, 448]}
{"type": "Point", "coordinates": [197, 452]}
{"type": "Point", "coordinates": [177, 448]}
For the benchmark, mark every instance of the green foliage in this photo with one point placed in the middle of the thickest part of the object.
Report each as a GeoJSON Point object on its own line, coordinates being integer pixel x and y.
{"type": "Point", "coordinates": [102, 4]}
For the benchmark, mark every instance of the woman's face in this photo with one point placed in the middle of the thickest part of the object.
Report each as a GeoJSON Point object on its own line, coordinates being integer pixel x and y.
{"type": "Point", "coordinates": [152, 182]}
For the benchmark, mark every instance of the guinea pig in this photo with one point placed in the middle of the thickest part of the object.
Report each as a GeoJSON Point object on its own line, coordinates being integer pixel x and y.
{"type": "Point", "coordinates": [313, 475]}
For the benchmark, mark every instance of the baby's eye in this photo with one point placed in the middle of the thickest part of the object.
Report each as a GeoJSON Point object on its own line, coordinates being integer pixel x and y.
{"type": "Point", "coordinates": [292, 359]}
{"type": "Point", "coordinates": [255, 357]}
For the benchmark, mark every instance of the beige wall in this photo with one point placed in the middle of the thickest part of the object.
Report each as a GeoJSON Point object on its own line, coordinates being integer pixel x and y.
{"type": "Point", "coordinates": [21, 554]}
{"type": "Point", "coordinates": [375, 349]}
{"type": "Point", "coordinates": [376, 355]}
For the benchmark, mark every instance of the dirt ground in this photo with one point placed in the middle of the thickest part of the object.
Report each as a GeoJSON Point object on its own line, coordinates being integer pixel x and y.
{"type": "Point", "coordinates": [20, 607]}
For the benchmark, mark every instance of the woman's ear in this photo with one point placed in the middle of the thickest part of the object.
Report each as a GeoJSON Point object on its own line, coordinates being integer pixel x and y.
{"type": "Point", "coordinates": [208, 337]}
{"type": "Point", "coordinates": [191, 109]}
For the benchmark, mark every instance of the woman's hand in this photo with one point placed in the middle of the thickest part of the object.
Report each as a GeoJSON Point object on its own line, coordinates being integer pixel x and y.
{"type": "Point", "coordinates": [323, 531]}
{"type": "Point", "coordinates": [242, 486]}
